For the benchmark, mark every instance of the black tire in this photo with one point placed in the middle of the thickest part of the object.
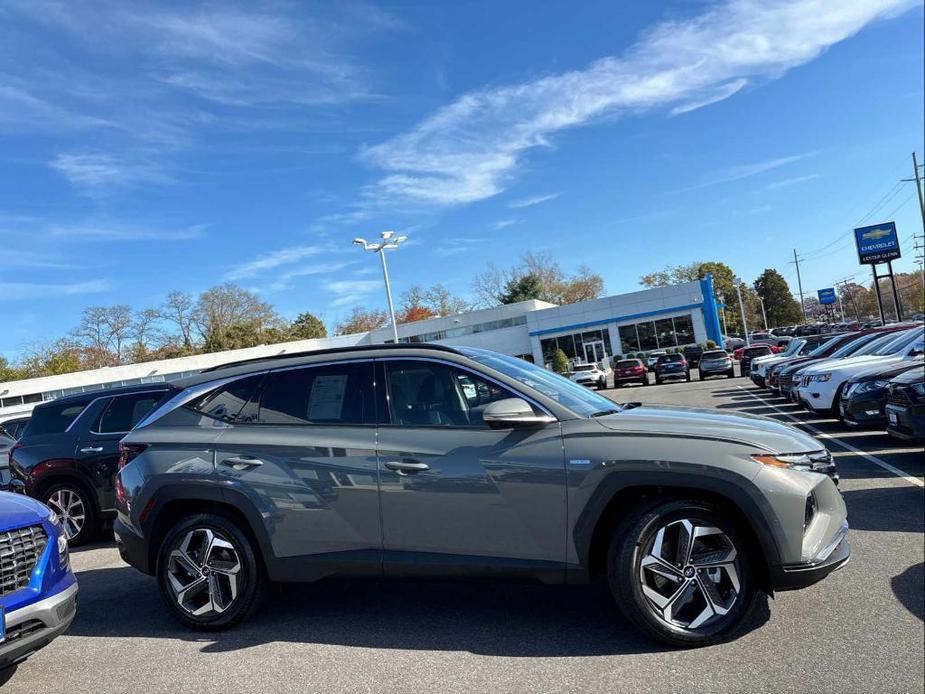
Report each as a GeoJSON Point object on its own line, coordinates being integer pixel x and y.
{"type": "Point", "coordinates": [658, 381]}
{"type": "Point", "coordinates": [644, 381]}
{"type": "Point", "coordinates": [626, 551]}
{"type": "Point", "coordinates": [731, 373]}
{"type": "Point", "coordinates": [90, 529]}
{"type": "Point", "coordinates": [251, 586]}
{"type": "Point", "coordinates": [688, 377]}
{"type": "Point", "coordinates": [699, 376]}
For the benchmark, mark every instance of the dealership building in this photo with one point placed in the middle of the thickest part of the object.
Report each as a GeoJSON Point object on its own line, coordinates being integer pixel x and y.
{"type": "Point", "coordinates": [594, 330]}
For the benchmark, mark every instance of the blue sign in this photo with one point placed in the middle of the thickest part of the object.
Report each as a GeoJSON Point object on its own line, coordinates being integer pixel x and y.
{"type": "Point", "coordinates": [877, 244]}
{"type": "Point", "coordinates": [826, 296]}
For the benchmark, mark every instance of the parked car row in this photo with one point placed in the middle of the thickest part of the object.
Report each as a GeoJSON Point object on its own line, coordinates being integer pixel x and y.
{"type": "Point", "coordinates": [870, 377]}
{"type": "Point", "coordinates": [426, 460]}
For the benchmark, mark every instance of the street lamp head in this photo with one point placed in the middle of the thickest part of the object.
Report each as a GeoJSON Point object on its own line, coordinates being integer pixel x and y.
{"type": "Point", "coordinates": [400, 239]}
{"type": "Point", "coordinates": [360, 242]}
{"type": "Point", "coordinates": [387, 234]}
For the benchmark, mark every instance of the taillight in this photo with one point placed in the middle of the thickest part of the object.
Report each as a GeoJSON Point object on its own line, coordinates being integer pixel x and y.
{"type": "Point", "coordinates": [128, 452]}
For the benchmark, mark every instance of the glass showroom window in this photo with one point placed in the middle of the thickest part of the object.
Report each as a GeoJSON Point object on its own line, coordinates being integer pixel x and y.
{"type": "Point", "coordinates": [647, 339]}
{"type": "Point", "coordinates": [664, 330]}
{"type": "Point", "coordinates": [684, 330]}
{"type": "Point", "coordinates": [629, 341]}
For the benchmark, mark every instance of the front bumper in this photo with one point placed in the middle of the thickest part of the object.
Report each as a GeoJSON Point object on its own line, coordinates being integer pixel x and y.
{"type": "Point", "coordinates": [905, 422]}
{"type": "Point", "coordinates": [864, 409]}
{"type": "Point", "coordinates": [833, 557]}
{"type": "Point", "coordinates": [35, 626]}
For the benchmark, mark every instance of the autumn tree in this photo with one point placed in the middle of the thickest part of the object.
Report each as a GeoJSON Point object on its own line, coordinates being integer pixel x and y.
{"type": "Point", "coordinates": [493, 285]}
{"type": "Point", "coordinates": [223, 314]}
{"type": "Point", "coordinates": [362, 320]}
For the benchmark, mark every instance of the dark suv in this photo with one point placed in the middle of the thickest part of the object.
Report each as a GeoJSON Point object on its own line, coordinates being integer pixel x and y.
{"type": "Point", "coordinates": [68, 453]}
{"type": "Point", "coordinates": [426, 461]}
{"type": "Point", "coordinates": [672, 366]}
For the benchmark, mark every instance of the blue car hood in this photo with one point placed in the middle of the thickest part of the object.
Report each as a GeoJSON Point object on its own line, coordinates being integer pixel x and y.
{"type": "Point", "coordinates": [17, 510]}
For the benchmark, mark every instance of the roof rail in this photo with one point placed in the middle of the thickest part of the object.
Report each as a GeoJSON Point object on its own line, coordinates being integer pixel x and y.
{"type": "Point", "coordinates": [333, 350]}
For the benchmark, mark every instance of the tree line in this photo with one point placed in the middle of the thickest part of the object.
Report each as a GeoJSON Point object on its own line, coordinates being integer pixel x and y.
{"type": "Point", "coordinates": [231, 317]}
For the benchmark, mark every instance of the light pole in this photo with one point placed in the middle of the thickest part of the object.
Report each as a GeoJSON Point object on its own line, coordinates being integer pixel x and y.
{"type": "Point", "coordinates": [722, 301]}
{"type": "Point", "coordinates": [742, 313]}
{"type": "Point", "coordinates": [763, 314]}
{"type": "Point", "coordinates": [388, 241]}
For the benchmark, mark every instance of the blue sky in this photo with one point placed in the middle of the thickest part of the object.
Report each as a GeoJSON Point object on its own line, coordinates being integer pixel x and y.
{"type": "Point", "coordinates": [147, 147]}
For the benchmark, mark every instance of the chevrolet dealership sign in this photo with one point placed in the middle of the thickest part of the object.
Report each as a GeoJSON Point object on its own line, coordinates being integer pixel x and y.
{"type": "Point", "coordinates": [877, 244]}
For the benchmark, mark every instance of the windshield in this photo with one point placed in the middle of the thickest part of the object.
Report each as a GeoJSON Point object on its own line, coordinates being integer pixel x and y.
{"type": "Point", "coordinates": [828, 344]}
{"type": "Point", "coordinates": [855, 346]}
{"type": "Point", "coordinates": [793, 347]}
{"type": "Point", "coordinates": [874, 346]}
{"type": "Point", "coordinates": [575, 397]}
{"type": "Point", "coordinates": [899, 342]}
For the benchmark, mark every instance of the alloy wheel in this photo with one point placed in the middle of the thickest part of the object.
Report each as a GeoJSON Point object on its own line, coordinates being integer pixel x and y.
{"type": "Point", "coordinates": [69, 506]}
{"type": "Point", "coordinates": [204, 573]}
{"type": "Point", "coordinates": [689, 574]}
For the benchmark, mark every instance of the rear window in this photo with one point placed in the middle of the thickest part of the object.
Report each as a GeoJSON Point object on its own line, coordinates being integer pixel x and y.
{"type": "Point", "coordinates": [53, 418]}
{"type": "Point", "coordinates": [757, 351]}
{"type": "Point", "coordinates": [714, 355]}
{"type": "Point", "coordinates": [583, 367]}
{"type": "Point", "coordinates": [627, 362]}
{"type": "Point", "coordinates": [125, 411]}
{"type": "Point", "coordinates": [666, 358]}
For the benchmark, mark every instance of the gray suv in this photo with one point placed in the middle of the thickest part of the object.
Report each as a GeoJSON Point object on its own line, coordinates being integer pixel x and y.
{"type": "Point", "coordinates": [426, 461]}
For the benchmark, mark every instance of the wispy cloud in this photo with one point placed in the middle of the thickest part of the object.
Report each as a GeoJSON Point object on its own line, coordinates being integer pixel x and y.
{"type": "Point", "coordinates": [457, 246]}
{"type": "Point", "coordinates": [504, 223]}
{"type": "Point", "coordinates": [284, 280]}
{"type": "Point", "coordinates": [740, 171]}
{"type": "Point", "coordinates": [470, 149]}
{"type": "Point", "coordinates": [348, 292]}
{"type": "Point", "coordinates": [24, 291]}
{"type": "Point", "coordinates": [272, 260]}
{"type": "Point", "coordinates": [96, 172]}
{"type": "Point", "coordinates": [791, 181]}
{"type": "Point", "coordinates": [535, 200]}
{"type": "Point", "coordinates": [22, 258]}
{"type": "Point", "coordinates": [105, 231]}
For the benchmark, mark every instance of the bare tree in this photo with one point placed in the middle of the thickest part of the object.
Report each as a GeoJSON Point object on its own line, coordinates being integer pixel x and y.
{"type": "Point", "coordinates": [179, 310]}
{"type": "Point", "coordinates": [226, 311]}
{"type": "Point", "coordinates": [494, 285]}
{"type": "Point", "coordinates": [119, 322]}
{"type": "Point", "coordinates": [147, 333]}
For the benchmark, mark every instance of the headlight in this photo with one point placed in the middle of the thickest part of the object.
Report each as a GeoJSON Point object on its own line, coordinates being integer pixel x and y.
{"type": "Point", "coordinates": [872, 385]}
{"type": "Point", "coordinates": [814, 461]}
{"type": "Point", "coordinates": [63, 557]}
{"type": "Point", "coordinates": [919, 388]}
{"type": "Point", "coordinates": [821, 378]}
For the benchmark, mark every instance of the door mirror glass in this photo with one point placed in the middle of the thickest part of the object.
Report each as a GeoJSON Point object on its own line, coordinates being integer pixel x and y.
{"type": "Point", "coordinates": [513, 412]}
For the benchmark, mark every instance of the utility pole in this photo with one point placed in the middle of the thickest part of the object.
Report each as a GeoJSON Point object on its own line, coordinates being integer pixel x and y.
{"type": "Point", "coordinates": [841, 306]}
{"type": "Point", "coordinates": [853, 300]}
{"type": "Point", "coordinates": [722, 300]}
{"type": "Point", "coordinates": [918, 188]}
{"type": "Point", "coordinates": [796, 261]}
{"type": "Point", "coordinates": [764, 315]}
{"type": "Point", "coordinates": [742, 313]}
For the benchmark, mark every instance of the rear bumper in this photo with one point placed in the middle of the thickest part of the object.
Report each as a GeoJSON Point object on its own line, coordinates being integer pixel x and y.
{"type": "Point", "coordinates": [909, 424]}
{"type": "Point", "coordinates": [832, 558]}
{"type": "Point", "coordinates": [35, 626]}
{"type": "Point", "coordinates": [132, 548]}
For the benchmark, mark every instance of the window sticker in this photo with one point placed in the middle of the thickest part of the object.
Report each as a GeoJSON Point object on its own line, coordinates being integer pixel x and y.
{"type": "Point", "coordinates": [327, 397]}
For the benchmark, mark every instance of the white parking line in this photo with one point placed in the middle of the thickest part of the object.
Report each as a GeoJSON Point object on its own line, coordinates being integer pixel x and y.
{"type": "Point", "coordinates": [834, 439]}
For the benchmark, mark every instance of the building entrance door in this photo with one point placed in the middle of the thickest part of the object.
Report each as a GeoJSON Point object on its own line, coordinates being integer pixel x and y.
{"type": "Point", "coordinates": [594, 352]}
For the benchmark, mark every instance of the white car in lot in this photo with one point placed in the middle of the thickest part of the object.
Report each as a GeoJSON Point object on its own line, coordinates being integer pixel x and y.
{"type": "Point", "coordinates": [821, 385]}
{"type": "Point", "coordinates": [759, 365]}
{"type": "Point", "coordinates": [591, 375]}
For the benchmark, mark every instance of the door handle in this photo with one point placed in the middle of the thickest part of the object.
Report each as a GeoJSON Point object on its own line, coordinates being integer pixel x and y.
{"type": "Point", "coordinates": [241, 462]}
{"type": "Point", "coordinates": [406, 467]}
{"type": "Point", "coordinates": [92, 449]}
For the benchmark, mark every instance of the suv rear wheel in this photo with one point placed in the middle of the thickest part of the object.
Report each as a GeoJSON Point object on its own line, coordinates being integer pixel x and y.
{"type": "Point", "coordinates": [681, 573]}
{"type": "Point", "coordinates": [208, 574]}
{"type": "Point", "coordinates": [75, 510]}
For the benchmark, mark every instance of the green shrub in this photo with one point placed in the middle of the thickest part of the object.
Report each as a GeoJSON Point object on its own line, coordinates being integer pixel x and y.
{"type": "Point", "coordinates": [559, 362]}
{"type": "Point", "coordinates": [711, 344]}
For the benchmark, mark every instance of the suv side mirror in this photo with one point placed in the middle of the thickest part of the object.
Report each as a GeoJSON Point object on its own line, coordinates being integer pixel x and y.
{"type": "Point", "coordinates": [512, 413]}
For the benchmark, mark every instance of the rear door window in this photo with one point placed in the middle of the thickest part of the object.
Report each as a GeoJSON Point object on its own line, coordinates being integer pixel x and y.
{"type": "Point", "coordinates": [233, 402]}
{"type": "Point", "coordinates": [54, 419]}
{"type": "Point", "coordinates": [330, 394]}
{"type": "Point", "coordinates": [123, 412]}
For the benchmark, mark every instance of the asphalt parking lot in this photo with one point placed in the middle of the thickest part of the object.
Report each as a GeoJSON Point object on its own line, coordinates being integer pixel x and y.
{"type": "Point", "coordinates": [860, 630]}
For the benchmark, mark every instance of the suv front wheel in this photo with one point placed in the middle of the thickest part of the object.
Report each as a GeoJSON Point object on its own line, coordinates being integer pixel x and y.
{"type": "Point", "coordinates": [75, 511]}
{"type": "Point", "coordinates": [681, 573]}
{"type": "Point", "coordinates": [208, 574]}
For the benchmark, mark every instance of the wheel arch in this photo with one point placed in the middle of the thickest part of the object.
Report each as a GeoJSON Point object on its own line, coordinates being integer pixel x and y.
{"type": "Point", "coordinates": [593, 532]}
{"type": "Point", "coordinates": [174, 503]}
{"type": "Point", "coordinates": [66, 475]}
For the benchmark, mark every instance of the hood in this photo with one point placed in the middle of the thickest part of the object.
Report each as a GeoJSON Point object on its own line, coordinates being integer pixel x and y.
{"type": "Point", "coordinates": [17, 510]}
{"type": "Point", "coordinates": [911, 376]}
{"type": "Point", "coordinates": [834, 365]}
{"type": "Point", "coordinates": [889, 370]}
{"type": "Point", "coordinates": [763, 433]}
